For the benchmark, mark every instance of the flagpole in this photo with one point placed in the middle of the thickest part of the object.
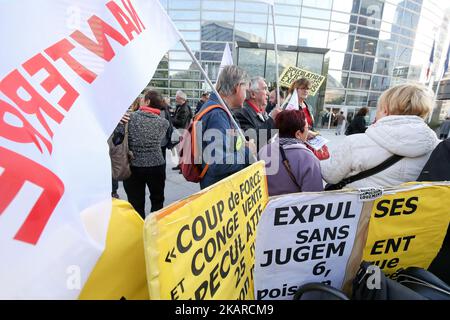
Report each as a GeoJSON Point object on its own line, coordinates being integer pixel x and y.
{"type": "Point", "coordinates": [276, 54]}
{"type": "Point", "coordinates": [213, 89]}
{"type": "Point", "coordinates": [435, 100]}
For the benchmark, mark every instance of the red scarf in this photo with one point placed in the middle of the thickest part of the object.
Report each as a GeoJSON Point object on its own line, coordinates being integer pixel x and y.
{"type": "Point", "coordinates": [254, 107]}
{"type": "Point", "coordinates": [150, 110]}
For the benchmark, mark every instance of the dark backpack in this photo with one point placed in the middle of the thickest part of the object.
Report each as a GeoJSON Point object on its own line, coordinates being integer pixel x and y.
{"type": "Point", "coordinates": [191, 170]}
{"type": "Point", "coordinates": [411, 283]}
{"type": "Point", "coordinates": [437, 167]}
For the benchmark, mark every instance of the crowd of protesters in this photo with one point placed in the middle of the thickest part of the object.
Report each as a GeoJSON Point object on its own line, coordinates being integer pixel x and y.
{"type": "Point", "coordinates": [253, 126]}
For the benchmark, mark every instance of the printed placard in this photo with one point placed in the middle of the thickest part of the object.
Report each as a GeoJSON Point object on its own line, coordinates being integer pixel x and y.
{"type": "Point", "coordinates": [290, 74]}
{"type": "Point", "coordinates": [304, 238]}
{"type": "Point", "coordinates": [407, 228]}
{"type": "Point", "coordinates": [203, 247]}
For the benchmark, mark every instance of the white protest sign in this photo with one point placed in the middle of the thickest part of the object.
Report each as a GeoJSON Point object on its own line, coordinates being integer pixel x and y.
{"type": "Point", "coordinates": [304, 238]}
{"type": "Point", "coordinates": [71, 69]}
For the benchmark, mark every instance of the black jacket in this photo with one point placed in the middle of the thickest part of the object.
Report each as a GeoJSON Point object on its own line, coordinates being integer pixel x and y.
{"type": "Point", "coordinates": [437, 168]}
{"type": "Point", "coordinates": [358, 125]}
{"type": "Point", "coordinates": [167, 142]}
{"type": "Point", "coordinates": [182, 116]}
{"type": "Point", "coordinates": [249, 119]}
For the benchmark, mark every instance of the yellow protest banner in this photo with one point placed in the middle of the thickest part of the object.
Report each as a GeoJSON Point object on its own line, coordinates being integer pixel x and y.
{"type": "Point", "coordinates": [120, 271]}
{"type": "Point", "coordinates": [203, 247]}
{"type": "Point", "coordinates": [290, 74]}
{"type": "Point", "coordinates": [407, 228]}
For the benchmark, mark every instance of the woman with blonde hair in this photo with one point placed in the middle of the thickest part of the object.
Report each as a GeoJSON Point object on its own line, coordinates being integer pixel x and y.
{"type": "Point", "coordinates": [399, 129]}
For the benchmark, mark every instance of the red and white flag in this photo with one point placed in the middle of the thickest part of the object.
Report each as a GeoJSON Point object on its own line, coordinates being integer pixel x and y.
{"type": "Point", "coordinates": [67, 76]}
{"type": "Point", "coordinates": [227, 59]}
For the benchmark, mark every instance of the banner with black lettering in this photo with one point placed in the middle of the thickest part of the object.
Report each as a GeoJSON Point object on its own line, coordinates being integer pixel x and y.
{"type": "Point", "coordinates": [203, 247]}
{"type": "Point", "coordinates": [302, 238]}
{"type": "Point", "coordinates": [407, 227]}
{"type": "Point", "coordinates": [291, 73]}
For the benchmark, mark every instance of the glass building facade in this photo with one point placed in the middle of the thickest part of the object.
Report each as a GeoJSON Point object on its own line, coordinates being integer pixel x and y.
{"type": "Point", "coordinates": [362, 46]}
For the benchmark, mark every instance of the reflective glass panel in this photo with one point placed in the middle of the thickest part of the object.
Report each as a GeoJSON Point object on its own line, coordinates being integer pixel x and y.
{"type": "Point", "coordinates": [217, 5]}
{"type": "Point", "coordinates": [252, 60]}
{"type": "Point", "coordinates": [365, 46]}
{"type": "Point", "coordinates": [316, 13]}
{"type": "Point", "coordinates": [337, 79]}
{"type": "Point", "coordinates": [314, 23]}
{"type": "Point", "coordinates": [250, 6]}
{"type": "Point", "coordinates": [359, 81]}
{"type": "Point", "coordinates": [251, 17]}
{"type": "Point", "coordinates": [184, 15]}
{"type": "Point", "coordinates": [183, 4]}
{"type": "Point", "coordinates": [356, 98]}
{"type": "Point", "coordinates": [346, 5]}
{"type": "Point", "coordinates": [286, 10]}
{"type": "Point", "coordinates": [336, 60]}
{"type": "Point", "coordinates": [252, 32]}
{"type": "Point", "coordinates": [285, 35]}
{"type": "Point", "coordinates": [379, 83]}
{"type": "Point", "coordinates": [285, 59]}
{"type": "Point", "coordinates": [215, 16]}
{"type": "Point", "coordinates": [338, 41]}
{"type": "Point", "coordinates": [313, 38]}
{"type": "Point", "coordinates": [213, 31]}
{"type": "Point", "coordinates": [324, 4]}
{"type": "Point", "coordinates": [335, 96]}
{"type": "Point", "coordinates": [310, 61]}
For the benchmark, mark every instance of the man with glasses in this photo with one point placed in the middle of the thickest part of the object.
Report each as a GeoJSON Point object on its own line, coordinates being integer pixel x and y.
{"type": "Point", "coordinates": [252, 118]}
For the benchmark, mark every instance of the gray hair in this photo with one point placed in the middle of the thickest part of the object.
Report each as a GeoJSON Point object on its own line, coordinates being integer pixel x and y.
{"type": "Point", "coordinates": [181, 94]}
{"type": "Point", "coordinates": [230, 77]}
{"type": "Point", "coordinates": [254, 85]}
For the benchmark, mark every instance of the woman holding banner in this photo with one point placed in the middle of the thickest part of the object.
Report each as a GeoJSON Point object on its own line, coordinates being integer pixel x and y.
{"type": "Point", "coordinates": [290, 165]}
{"type": "Point", "coordinates": [302, 86]}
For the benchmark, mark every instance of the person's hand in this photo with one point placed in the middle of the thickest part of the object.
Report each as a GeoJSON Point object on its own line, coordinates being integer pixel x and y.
{"type": "Point", "coordinates": [251, 146]}
{"type": "Point", "coordinates": [125, 118]}
{"type": "Point", "coordinates": [312, 135]}
{"type": "Point", "coordinates": [274, 113]}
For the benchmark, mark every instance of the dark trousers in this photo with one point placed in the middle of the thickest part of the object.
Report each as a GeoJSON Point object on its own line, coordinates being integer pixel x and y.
{"type": "Point", "coordinates": [163, 150]}
{"type": "Point", "coordinates": [152, 177]}
{"type": "Point", "coordinates": [115, 185]}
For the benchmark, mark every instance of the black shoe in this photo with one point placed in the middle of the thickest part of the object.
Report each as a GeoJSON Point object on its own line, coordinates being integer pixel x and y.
{"type": "Point", "coordinates": [115, 195]}
{"type": "Point", "coordinates": [177, 168]}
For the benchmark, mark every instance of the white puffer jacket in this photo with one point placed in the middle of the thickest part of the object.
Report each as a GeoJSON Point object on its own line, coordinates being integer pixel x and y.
{"type": "Point", "coordinates": [407, 136]}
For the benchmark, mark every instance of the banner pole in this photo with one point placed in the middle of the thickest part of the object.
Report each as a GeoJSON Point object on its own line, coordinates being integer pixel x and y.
{"type": "Point", "coordinates": [276, 55]}
{"type": "Point", "coordinates": [214, 89]}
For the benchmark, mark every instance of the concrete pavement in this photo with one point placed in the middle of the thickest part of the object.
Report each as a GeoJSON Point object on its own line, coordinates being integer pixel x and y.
{"type": "Point", "coordinates": [178, 188]}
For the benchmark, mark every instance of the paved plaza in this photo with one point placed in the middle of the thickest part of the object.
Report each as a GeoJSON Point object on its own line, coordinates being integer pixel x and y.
{"type": "Point", "coordinates": [178, 188]}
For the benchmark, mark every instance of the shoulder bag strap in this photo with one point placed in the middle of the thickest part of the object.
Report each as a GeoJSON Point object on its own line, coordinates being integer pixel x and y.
{"type": "Point", "coordinates": [288, 168]}
{"type": "Point", "coordinates": [362, 175]}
